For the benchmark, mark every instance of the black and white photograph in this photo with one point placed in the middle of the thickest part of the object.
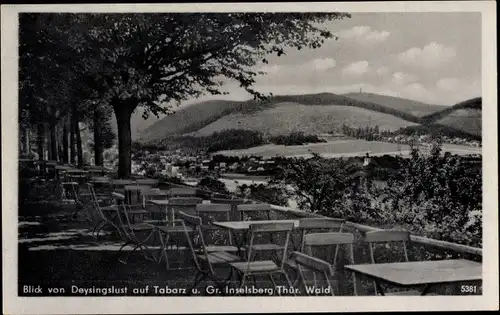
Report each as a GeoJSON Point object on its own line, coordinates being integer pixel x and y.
{"type": "Point", "coordinates": [264, 153]}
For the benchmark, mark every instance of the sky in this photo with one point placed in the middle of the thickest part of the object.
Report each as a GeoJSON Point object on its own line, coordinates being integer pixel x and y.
{"type": "Point", "coordinates": [434, 58]}
{"type": "Point", "coordinates": [429, 57]}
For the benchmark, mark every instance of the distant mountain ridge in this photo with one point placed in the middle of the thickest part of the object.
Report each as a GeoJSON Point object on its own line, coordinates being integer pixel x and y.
{"type": "Point", "coordinates": [294, 112]}
{"type": "Point", "coordinates": [415, 108]}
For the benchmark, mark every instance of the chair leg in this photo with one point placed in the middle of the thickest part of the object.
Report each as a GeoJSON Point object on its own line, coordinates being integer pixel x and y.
{"type": "Point", "coordinates": [243, 278]}
{"type": "Point", "coordinates": [197, 279]}
{"type": "Point", "coordinates": [272, 281]}
{"type": "Point", "coordinates": [288, 280]}
{"type": "Point", "coordinates": [120, 250]}
{"type": "Point", "coordinates": [124, 261]}
{"type": "Point", "coordinates": [96, 226]}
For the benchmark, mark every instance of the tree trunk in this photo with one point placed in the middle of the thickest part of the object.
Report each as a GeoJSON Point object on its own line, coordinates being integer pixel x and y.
{"type": "Point", "coordinates": [28, 140]}
{"type": "Point", "coordinates": [72, 140]}
{"type": "Point", "coordinates": [97, 139]}
{"type": "Point", "coordinates": [53, 141]}
{"type": "Point", "coordinates": [59, 133]}
{"type": "Point", "coordinates": [123, 112]}
{"type": "Point", "coordinates": [65, 144]}
{"type": "Point", "coordinates": [40, 138]}
{"type": "Point", "coordinates": [79, 147]}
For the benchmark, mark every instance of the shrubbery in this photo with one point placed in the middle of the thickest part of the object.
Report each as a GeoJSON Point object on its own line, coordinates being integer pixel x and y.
{"type": "Point", "coordinates": [272, 194]}
{"type": "Point", "coordinates": [213, 184]}
{"type": "Point", "coordinates": [295, 138]}
{"type": "Point", "coordinates": [436, 195]}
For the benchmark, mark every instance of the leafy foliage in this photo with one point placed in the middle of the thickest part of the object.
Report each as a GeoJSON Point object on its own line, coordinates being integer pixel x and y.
{"type": "Point", "coordinates": [225, 140]}
{"type": "Point", "coordinates": [272, 194]}
{"type": "Point", "coordinates": [439, 195]}
{"type": "Point", "coordinates": [295, 138]}
{"type": "Point", "coordinates": [436, 131]}
{"type": "Point", "coordinates": [213, 184]}
{"type": "Point", "coordinates": [320, 184]}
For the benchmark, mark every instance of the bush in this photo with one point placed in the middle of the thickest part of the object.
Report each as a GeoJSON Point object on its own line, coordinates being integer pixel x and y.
{"type": "Point", "coordinates": [272, 194]}
{"type": "Point", "coordinates": [295, 138]}
{"type": "Point", "coordinates": [436, 195]}
{"type": "Point", "coordinates": [439, 196]}
{"type": "Point", "coordinates": [213, 184]}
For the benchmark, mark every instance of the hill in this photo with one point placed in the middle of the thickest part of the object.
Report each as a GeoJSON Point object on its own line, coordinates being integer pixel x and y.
{"type": "Point", "coordinates": [314, 113]}
{"type": "Point", "coordinates": [189, 119]}
{"type": "Point", "coordinates": [412, 107]}
{"type": "Point", "coordinates": [200, 115]}
{"type": "Point", "coordinates": [464, 116]}
{"type": "Point", "coordinates": [287, 117]}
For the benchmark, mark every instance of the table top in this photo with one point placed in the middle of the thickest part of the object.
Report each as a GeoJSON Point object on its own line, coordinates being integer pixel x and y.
{"type": "Point", "coordinates": [61, 167]}
{"type": "Point", "coordinates": [76, 171]}
{"type": "Point", "coordinates": [245, 225]}
{"type": "Point", "coordinates": [422, 272]}
{"type": "Point", "coordinates": [136, 187]}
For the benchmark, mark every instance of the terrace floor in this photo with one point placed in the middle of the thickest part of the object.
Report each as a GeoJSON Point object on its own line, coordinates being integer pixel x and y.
{"type": "Point", "coordinates": [56, 249]}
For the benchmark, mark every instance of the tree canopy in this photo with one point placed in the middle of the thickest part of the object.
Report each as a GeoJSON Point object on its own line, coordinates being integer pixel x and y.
{"type": "Point", "coordinates": [154, 60]}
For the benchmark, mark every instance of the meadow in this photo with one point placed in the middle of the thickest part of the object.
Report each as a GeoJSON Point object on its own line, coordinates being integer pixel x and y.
{"type": "Point", "coordinates": [339, 148]}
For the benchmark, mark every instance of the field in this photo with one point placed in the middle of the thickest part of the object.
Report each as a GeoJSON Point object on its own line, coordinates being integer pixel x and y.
{"type": "Point", "coordinates": [468, 120]}
{"type": "Point", "coordinates": [287, 117]}
{"type": "Point", "coordinates": [340, 148]}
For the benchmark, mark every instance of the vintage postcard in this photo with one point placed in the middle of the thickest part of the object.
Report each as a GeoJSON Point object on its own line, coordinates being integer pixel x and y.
{"type": "Point", "coordinates": [243, 157]}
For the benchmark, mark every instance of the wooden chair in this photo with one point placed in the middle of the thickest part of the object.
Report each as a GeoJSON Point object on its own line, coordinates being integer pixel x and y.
{"type": "Point", "coordinates": [316, 225]}
{"type": "Point", "coordinates": [389, 237]}
{"type": "Point", "coordinates": [131, 231]}
{"type": "Point", "coordinates": [319, 269]}
{"type": "Point", "coordinates": [104, 215]}
{"type": "Point", "coordinates": [216, 212]}
{"type": "Point", "coordinates": [205, 260]}
{"type": "Point", "coordinates": [249, 209]}
{"type": "Point", "coordinates": [309, 225]}
{"type": "Point", "coordinates": [269, 267]}
{"type": "Point", "coordinates": [325, 242]}
{"type": "Point", "coordinates": [169, 234]}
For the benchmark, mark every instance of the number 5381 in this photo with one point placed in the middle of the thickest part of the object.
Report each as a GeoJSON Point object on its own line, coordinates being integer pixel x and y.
{"type": "Point", "coordinates": [468, 289]}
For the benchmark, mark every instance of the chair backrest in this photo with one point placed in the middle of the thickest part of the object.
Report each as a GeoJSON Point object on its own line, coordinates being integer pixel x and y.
{"type": "Point", "coordinates": [327, 242]}
{"type": "Point", "coordinates": [122, 208]}
{"type": "Point", "coordinates": [95, 202]}
{"type": "Point", "coordinates": [310, 225]}
{"type": "Point", "coordinates": [270, 229]}
{"type": "Point", "coordinates": [148, 182]}
{"type": "Point", "coordinates": [196, 240]}
{"type": "Point", "coordinates": [318, 268]}
{"type": "Point", "coordinates": [387, 236]}
{"type": "Point", "coordinates": [254, 208]}
{"type": "Point", "coordinates": [215, 211]}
